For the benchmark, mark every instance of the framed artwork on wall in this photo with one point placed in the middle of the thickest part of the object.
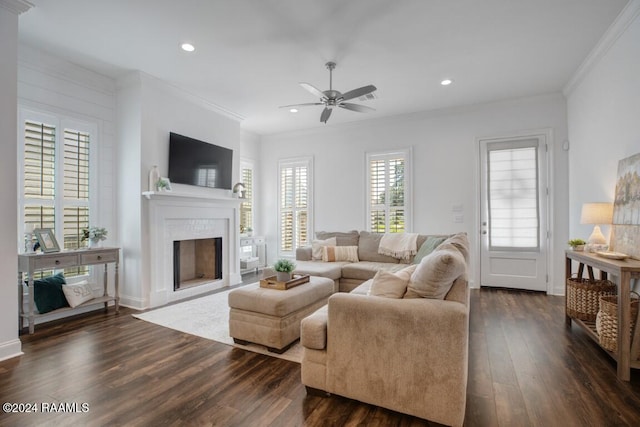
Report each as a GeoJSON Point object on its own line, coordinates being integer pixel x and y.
{"type": "Point", "coordinates": [625, 232]}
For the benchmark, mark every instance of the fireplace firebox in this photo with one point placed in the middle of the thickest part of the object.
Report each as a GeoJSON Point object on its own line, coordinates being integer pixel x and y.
{"type": "Point", "coordinates": [196, 262]}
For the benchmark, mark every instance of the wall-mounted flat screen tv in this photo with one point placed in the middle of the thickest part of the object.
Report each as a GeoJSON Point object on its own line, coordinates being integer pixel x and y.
{"type": "Point", "coordinates": [199, 163]}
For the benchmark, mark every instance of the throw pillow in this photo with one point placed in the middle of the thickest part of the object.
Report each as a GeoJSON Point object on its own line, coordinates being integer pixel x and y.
{"type": "Point", "coordinates": [427, 247]}
{"type": "Point", "coordinates": [77, 293]}
{"type": "Point", "coordinates": [435, 274]}
{"type": "Point", "coordinates": [349, 238]}
{"type": "Point", "coordinates": [47, 293]}
{"type": "Point", "coordinates": [391, 285]}
{"type": "Point", "coordinates": [317, 245]}
{"type": "Point", "coordinates": [340, 253]}
{"type": "Point", "coordinates": [458, 242]}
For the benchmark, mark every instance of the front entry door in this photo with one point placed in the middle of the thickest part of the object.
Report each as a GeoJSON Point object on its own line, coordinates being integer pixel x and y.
{"type": "Point", "coordinates": [514, 213]}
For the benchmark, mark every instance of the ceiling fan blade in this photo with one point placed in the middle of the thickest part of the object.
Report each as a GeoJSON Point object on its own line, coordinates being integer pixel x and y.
{"type": "Point", "coordinates": [355, 107]}
{"type": "Point", "coordinates": [307, 104]}
{"type": "Point", "coordinates": [325, 115]}
{"type": "Point", "coordinates": [314, 90]}
{"type": "Point", "coordinates": [356, 93]}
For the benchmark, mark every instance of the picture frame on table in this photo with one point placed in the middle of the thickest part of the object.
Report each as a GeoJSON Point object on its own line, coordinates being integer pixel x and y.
{"type": "Point", "coordinates": [46, 240]}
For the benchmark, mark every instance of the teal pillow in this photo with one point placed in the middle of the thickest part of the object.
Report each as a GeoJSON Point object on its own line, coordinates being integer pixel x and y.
{"type": "Point", "coordinates": [48, 295]}
{"type": "Point", "coordinates": [427, 247]}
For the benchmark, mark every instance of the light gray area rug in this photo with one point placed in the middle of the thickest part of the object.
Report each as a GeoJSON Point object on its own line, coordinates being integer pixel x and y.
{"type": "Point", "coordinates": [208, 317]}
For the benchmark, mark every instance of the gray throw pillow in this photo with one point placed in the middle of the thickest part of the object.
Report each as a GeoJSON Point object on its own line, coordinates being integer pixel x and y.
{"type": "Point", "coordinates": [427, 247]}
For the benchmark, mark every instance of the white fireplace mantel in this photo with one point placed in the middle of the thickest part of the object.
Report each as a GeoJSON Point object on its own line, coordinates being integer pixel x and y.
{"type": "Point", "coordinates": [182, 216]}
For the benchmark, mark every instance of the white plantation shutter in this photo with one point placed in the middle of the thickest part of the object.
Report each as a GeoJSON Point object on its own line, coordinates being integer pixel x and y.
{"type": "Point", "coordinates": [294, 204]}
{"type": "Point", "coordinates": [513, 196]}
{"type": "Point", "coordinates": [246, 207]}
{"type": "Point", "coordinates": [388, 204]}
{"type": "Point", "coordinates": [55, 180]}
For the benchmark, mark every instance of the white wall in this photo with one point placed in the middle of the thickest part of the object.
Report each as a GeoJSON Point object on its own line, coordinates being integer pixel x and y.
{"type": "Point", "coordinates": [603, 101]}
{"type": "Point", "coordinates": [445, 166]}
{"type": "Point", "coordinates": [149, 109]}
{"type": "Point", "coordinates": [9, 343]}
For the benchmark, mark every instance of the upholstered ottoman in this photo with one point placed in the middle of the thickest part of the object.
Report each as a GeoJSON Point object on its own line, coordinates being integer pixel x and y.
{"type": "Point", "coordinates": [271, 317]}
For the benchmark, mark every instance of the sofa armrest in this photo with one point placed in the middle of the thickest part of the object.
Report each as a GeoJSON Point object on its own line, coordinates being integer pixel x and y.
{"type": "Point", "coordinates": [410, 355]}
{"type": "Point", "coordinates": [303, 254]}
{"type": "Point", "coordinates": [313, 330]}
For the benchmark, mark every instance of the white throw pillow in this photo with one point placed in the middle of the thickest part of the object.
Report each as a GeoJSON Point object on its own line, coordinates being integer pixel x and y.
{"type": "Point", "coordinates": [317, 245]}
{"type": "Point", "coordinates": [77, 293]}
{"type": "Point", "coordinates": [435, 274]}
{"type": "Point", "coordinates": [391, 285]}
{"type": "Point", "coordinates": [340, 253]}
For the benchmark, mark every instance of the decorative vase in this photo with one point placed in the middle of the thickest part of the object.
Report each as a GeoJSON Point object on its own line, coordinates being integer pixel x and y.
{"type": "Point", "coordinates": [154, 176]}
{"type": "Point", "coordinates": [283, 276]}
{"type": "Point", "coordinates": [95, 243]}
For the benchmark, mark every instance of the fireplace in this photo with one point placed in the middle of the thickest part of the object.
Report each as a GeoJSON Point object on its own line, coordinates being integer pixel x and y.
{"type": "Point", "coordinates": [196, 262]}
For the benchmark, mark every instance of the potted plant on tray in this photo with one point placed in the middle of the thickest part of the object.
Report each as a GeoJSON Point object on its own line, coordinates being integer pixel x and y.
{"type": "Point", "coordinates": [577, 244]}
{"type": "Point", "coordinates": [284, 268]}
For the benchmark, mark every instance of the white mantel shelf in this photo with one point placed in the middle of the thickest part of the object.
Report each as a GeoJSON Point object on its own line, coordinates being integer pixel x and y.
{"type": "Point", "coordinates": [176, 195]}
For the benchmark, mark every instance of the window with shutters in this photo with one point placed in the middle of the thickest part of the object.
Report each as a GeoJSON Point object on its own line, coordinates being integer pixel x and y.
{"type": "Point", "coordinates": [388, 195]}
{"type": "Point", "coordinates": [294, 204]}
{"type": "Point", "coordinates": [55, 178]}
{"type": "Point", "coordinates": [246, 207]}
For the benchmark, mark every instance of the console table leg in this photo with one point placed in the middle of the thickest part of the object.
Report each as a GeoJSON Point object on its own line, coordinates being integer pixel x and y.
{"type": "Point", "coordinates": [20, 301]}
{"type": "Point", "coordinates": [117, 284]}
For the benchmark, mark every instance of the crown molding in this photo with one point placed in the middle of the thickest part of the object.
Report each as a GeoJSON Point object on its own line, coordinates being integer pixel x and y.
{"type": "Point", "coordinates": [16, 6]}
{"type": "Point", "coordinates": [610, 37]}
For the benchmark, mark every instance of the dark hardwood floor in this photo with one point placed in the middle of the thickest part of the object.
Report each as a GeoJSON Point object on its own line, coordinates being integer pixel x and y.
{"type": "Point", "coordinates": [525, 368]}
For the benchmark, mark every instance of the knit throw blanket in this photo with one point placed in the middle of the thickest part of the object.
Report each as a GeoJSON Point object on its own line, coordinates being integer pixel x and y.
{"type": "Point", "coordinates": [399, 245]}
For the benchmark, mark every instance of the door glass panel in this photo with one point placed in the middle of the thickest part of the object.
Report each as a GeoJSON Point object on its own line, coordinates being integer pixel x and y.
{"type": "Point", "coordinates": [514, 222]}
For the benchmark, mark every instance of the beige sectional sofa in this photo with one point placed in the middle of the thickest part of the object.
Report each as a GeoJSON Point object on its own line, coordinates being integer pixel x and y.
{"type": "Point", "coordinates": [348, 275]}
{"type": "Point", "coordinates": [406, 354]}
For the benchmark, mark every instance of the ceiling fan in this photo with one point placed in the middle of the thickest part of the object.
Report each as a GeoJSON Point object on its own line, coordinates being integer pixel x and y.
{"type": "Point", "coordinates": [333, 98]}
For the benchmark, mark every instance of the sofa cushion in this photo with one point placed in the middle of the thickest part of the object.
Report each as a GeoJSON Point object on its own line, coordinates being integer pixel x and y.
{"type": "Point", "coordinates": [365, 270]}
{"type": "Point", "coordinates": [430, 243]}
{"type": "Point", "coordinates": [435, 274]}
{"type": "Point", "coordinates": [340, 253]}
{"type": "Point", "coordinates": [349, 238]}
{"type": "Point", "coordinates": [317, 246]}
{"type": "Point", "coordinates": [330, 270]}
{"type": "Point", "coordinates": [391, 285]}
{"type": "Point", "coordinates": [368, 249]}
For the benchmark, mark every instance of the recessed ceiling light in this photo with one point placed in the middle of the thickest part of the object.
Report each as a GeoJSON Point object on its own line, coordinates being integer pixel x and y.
{"type": "Point", "coordinates": [188, 47]}
{"type": "Point", "coordinates": [446, 82]}
{"type": "Point", "coordinates": [293, 110]}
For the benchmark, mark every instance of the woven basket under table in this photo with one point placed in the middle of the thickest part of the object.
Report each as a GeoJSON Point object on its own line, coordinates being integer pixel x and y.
{"type": "Point", "coordinates": [607, 321]}
{"type": "Point", "coordinates": [583, 297]}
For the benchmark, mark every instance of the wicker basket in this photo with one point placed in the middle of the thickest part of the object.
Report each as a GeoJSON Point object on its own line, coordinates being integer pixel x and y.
{"type": "Point", "coordinates": [583, 297]}
{"type": "Point", "coordinates": [607, 321]}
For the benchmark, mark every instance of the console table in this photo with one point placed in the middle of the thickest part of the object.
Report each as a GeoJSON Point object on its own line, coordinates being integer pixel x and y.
{"type": "Point", "coordinates": [30, 263]}
{"type": "Point", "coordinates": [622, 271]}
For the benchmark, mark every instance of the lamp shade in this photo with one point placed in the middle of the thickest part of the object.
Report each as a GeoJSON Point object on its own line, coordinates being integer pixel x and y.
{"type": "Point", "coordinates": [596, 213]}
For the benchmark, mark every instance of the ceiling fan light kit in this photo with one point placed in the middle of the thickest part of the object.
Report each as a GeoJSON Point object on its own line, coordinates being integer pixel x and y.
{"type": "Point", "coordinates": [332, 98]}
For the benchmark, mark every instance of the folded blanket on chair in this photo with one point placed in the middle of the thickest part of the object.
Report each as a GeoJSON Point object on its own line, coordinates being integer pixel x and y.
{"type": "Point", "coordinates": [399, 245]}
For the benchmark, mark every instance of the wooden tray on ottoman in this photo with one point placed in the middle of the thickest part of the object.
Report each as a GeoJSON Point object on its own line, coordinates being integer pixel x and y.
{"type": "Point", "coordinates": [271, 282]}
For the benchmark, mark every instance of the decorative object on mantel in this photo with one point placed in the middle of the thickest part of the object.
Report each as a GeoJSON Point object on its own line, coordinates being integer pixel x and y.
{"type": "Point", "coordinates": [95, 235]}
{"type": "Point", "coordinates": [577, 244]}
{"type": "Point", "coordinates": [625, 233]}
{"type": "Point", "coordinates": [284, 268]}
{"type": "Point", "coordinates": [239, 190]}
{"type": "Point", "coordinates": [154, 176]}
{"type": "Point", "coordinates": [164, 184]}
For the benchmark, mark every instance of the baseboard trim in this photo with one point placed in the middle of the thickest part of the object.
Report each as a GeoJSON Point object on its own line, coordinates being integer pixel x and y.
{"type": "Point", "coordinates": [10, 349]}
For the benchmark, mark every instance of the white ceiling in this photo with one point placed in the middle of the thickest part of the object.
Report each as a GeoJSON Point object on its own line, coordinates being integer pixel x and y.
{"type": "Point", "coordinates": [251, 54]}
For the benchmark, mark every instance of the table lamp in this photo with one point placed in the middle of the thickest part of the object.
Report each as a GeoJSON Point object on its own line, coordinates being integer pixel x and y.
{"type": "Point", "coordinates": [597, 213]}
